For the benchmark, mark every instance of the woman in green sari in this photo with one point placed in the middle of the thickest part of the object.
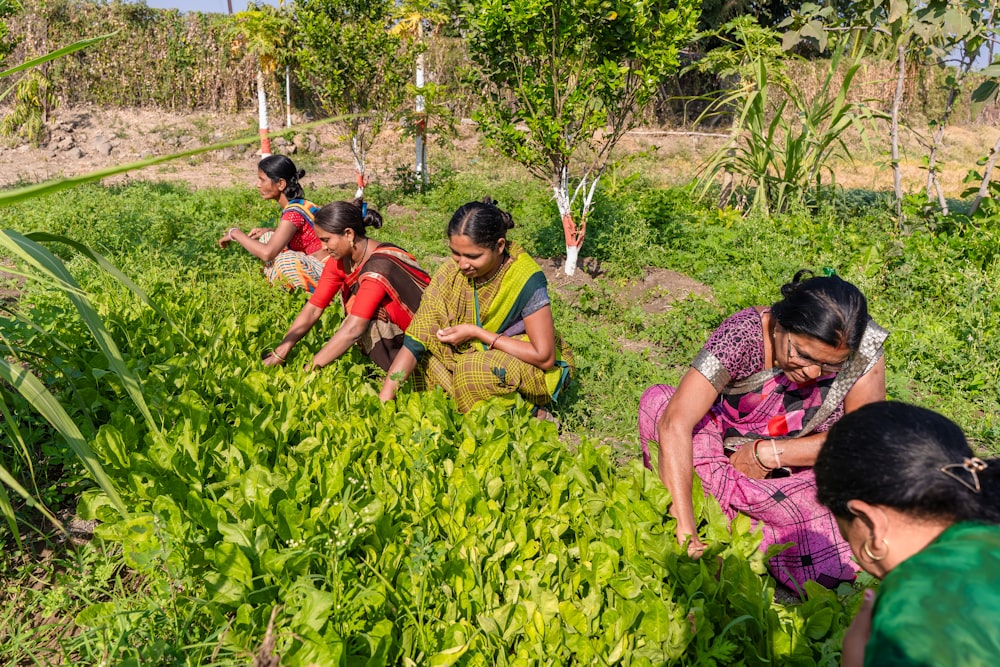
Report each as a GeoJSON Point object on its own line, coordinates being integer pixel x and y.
{"type": "Point", "coordinates": [484, 327]}
{"type": "Point", "coordinates": [921, 513]}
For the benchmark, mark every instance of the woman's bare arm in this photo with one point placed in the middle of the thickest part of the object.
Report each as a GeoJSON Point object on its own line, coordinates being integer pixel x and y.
{"type": "Point", "coordinates": [801, 452]}
{"type": "Point", "coordinates": [401, 367]}
{"type": "Point", "coordinates": [349, 332]}
{"type": "Point", "coordinates": [305, 321]}
{"type": "Point", "coordinates": [539, 350]}
{"type": "Point", "coordinates": [265, 252]}
{"type": "Point", "coordinates": [690, 403]}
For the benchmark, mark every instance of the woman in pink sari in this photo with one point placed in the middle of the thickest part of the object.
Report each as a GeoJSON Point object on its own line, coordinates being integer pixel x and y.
{"type": "Point", "coordinates": [751, 414]}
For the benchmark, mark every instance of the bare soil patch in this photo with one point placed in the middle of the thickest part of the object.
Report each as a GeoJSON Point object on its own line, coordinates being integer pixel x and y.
{"type": "Point", "coordinates": [657, 291]}
{"type": "Point", "coordinates": [84, 139]}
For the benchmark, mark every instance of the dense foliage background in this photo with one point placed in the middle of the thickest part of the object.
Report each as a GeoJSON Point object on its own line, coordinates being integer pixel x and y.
{"type": "Point", "coordinates": [165, 59]}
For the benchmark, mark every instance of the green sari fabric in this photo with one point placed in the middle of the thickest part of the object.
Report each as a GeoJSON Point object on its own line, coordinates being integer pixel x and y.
{"type": "Point", "coordinates": [941, 606]}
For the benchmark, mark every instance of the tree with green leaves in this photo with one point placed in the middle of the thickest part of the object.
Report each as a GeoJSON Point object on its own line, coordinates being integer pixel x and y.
{"type": "Point", "coordinates": [353, 66]}
{"type": "Point", "coordinates": [563, 80]}
{"type": "Point", "coordinates": [265, 32]}
{"type": "Point", "coordinates": [944, 34]}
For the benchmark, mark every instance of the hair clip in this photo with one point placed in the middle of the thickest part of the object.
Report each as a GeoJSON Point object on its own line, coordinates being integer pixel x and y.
{"type": "Point", "coordinates": [828, 271]}
{"type": "Point", "coordinates": [364, 209]}
{"type": "Point", "coordinates": [973, 466]}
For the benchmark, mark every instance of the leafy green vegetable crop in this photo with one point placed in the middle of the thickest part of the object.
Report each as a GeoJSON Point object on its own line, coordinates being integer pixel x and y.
{"type": "Point", "coordinates": [408, 533]}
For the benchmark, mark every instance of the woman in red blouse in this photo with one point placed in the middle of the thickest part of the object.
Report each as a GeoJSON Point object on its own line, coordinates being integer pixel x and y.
{"type": "Point", "coordinates": [293, 255]}
{"type": "Point", "coordinates": [379, 284]}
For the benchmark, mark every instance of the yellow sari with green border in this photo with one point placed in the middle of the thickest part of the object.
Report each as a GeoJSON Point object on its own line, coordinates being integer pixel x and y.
{"type": "Point", "coordinates": [470, 371]}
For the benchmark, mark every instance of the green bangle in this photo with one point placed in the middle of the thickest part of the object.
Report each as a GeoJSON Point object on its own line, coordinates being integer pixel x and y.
{"type": "Point", "coordinates": [756, 457]}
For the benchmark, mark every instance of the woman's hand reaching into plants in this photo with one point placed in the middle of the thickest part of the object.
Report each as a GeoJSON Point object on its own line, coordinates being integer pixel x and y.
{"type": "Point", "coordinates": [857, 635]}
{"type": "Point", "coordinates": [695, 547]}
{"type": "Point", "coordinates": [273, 358]}
{"type": "Point", "coordinates": [227, 238]}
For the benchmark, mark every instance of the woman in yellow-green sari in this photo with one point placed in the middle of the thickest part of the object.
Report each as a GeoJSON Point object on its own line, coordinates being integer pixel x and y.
{"type": "Point", "coordinates": [484, 327]}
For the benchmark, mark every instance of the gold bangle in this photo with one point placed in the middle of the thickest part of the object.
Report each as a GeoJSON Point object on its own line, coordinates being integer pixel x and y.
{"type": "Point", "coordinates": [274, 353]}
{"type": "Point", "coordinates": [777, 459]}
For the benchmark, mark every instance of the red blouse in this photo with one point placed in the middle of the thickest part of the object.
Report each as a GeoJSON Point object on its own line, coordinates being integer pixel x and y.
{"type": "Point", "coordinates": [365, 303]}
{"type": "Point", "coordinates": [305, 239]}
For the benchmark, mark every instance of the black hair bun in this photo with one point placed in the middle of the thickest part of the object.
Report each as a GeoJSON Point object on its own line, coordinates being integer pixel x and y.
{"type": "Point", "coordinates": [507, 218]}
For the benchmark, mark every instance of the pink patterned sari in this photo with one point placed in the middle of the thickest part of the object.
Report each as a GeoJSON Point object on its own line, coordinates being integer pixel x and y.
{"type": "Point", "coordinates": [753, 403]}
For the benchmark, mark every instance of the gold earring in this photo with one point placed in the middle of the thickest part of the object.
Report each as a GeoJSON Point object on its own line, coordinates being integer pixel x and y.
{"type": "Point", "coordinates": [868, 552]}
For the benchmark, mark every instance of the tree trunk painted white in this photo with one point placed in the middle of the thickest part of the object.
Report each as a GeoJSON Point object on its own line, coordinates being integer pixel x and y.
{"type": "Point", "coordinates": [421, 130]}
{"type": "Point", "coordinates": [265, 141]}
{"type": "Point", "coordinates": [359, 167]}
{"type": "Point", "coordinates": [288, 96]}
{"type": "Point", "coordinates": [561, 193]}
{"type": "Point", "coordinates": [573, 232]}
{"type": "Point", "coordinates": [897, 104]}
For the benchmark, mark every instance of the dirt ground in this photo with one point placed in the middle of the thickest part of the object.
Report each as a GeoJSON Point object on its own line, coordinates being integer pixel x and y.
{"type": "Point", "coordinates": [86, 139]}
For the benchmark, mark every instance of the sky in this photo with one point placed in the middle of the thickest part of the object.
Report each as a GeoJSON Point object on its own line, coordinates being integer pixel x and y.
{"type": "Point", "coordinates": [219, 6]}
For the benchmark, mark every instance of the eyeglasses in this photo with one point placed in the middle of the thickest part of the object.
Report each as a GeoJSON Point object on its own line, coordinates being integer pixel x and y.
{"type": "Point", "coordinates": [826, 369]}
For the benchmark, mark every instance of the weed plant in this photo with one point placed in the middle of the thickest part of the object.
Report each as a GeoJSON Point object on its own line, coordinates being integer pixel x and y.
{"type": "Point", "coordinates": [408, 532]}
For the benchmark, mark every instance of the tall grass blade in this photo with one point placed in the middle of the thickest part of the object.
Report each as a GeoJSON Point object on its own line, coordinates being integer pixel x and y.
{"type": "Point", "coordinates": [6, 478]}
{"type": "Point", "coordinates": [50, 266]}
{"type": "Point", "coordinates": [46, 404]}
{"type": "Point", "coordinates": [58, 53]}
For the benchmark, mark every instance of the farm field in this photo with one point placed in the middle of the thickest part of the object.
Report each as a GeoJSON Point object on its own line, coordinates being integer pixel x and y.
{"type": "Point", "coordinates": [277, 510]}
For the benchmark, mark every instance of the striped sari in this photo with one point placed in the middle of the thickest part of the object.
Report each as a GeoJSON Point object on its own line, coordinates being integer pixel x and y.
{"type": "Point", "coordinates": [471, 372]}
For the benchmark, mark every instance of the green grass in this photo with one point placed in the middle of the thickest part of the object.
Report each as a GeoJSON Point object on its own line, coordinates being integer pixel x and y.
{"type": "Point", "coordinates": [247, 453]}
{"type": "Point", "coordinates": [930, 289]}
